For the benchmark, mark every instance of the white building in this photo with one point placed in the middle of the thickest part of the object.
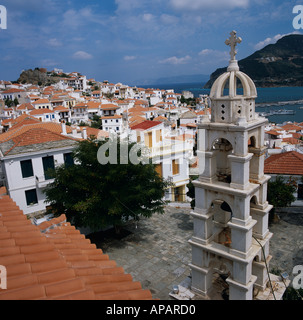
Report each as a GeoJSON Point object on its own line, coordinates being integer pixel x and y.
{"type": "Point", "coordinates": [170, 156]}
{"type": "Point", "coordinates": [112, 123]}
{"type": "Point", "coordinates": [25, 157]}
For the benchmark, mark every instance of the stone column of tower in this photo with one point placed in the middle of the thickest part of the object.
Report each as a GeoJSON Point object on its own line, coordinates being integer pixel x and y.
{"type": "Point", "coordinates": [231, 213]}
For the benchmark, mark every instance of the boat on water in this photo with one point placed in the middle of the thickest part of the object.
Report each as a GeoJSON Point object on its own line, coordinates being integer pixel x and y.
{"type": "Point", "coordinates": [265, 114]}
{"type": "Point", "coordinates": [277, 112]}
{"type": "Point", "coordinates": [284, 112]}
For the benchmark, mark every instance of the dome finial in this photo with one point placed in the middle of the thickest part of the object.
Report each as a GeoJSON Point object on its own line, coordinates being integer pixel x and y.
{"type": "Point", "coordinates": [232, 42]}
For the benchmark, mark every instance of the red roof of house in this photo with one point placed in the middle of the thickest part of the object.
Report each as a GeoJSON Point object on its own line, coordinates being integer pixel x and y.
{"type": "Point", "coordinates": [42, 101]}
{"type": "Point", "coordinates": [292, 141]}
{"type": "Point", "coordinates": [146, 125]}
{"type": "Point", "coordinates": [290, 163]}
{"type": "Point", "coordinates": [109, 106]}
{"type": "Point", "coordinates": [292, 127]}
{"type": "Point", "coordinates": [273, 132]}
{"type": "Point", "coordinates": [40, 112]}
{"type": "Point", "coordinates": [54, 261]}
{"type": "Point", "coordinates": [24, 127]}
{"type": "Point", "coordinates": [13, 90]}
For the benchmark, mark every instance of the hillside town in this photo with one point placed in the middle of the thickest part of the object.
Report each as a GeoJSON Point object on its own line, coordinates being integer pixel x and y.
{"type": "Point", "coordinates": [42, 125]}
{"type": "Point", "coordinates": [78, 108]}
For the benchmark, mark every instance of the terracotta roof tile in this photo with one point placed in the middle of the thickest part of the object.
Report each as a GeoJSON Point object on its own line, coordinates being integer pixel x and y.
{"type": "Point", "coordinates": [290, 163]}
{"type": "Point", "coordinates": [146, 125]}
{"type": "Point", "coordinates": [55, 261]}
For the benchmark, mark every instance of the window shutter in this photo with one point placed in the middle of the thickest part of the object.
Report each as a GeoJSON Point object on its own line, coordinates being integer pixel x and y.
{"type": "Point", "coordinates": [27, 168]}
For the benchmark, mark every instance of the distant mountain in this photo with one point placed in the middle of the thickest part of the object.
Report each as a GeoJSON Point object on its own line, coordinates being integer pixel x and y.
{"type": "Point", "coordinates": [276, 65]}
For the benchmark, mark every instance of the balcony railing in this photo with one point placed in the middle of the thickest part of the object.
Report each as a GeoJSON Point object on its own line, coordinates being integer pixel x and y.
{"type": "Point", "coordinates": [42, 182]}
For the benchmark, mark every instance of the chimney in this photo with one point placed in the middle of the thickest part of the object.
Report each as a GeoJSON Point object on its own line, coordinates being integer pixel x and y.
{"type": "Point", "coordinates": [84, 133]}
{"type": "Point", "coordinates": [63, 127]}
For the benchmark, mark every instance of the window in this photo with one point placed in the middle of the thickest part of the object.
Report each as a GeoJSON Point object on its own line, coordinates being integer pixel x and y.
{"type": "Point", "coordinates": [117, 121]}
{"type": "Point", "coordinates": [159, 169]}
{"type": "Point", "coordinates": [117, 128]}
{"type": "Point", "coordinates": [48, 163]}
{"type": "Point", "coordinates": [175, 167]}
{"type": "Point", "coordinates": [31, 197]}
{"type": "Point", "coordinates": [68, 159]}
{"type": "Point", "coordinates": [27, 168]}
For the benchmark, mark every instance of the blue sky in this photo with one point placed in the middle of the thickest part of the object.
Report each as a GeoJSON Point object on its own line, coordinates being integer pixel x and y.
{"type": "Point", "coordinates": [130, 41]}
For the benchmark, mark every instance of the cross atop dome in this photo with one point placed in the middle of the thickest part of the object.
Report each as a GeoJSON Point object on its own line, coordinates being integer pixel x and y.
{"type": "Point", "coordinates": [232, 42]}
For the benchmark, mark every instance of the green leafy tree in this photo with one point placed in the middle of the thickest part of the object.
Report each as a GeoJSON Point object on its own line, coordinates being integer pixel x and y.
{"type": "Point", "coordinates": [16, 101]}
{"type": "Point", "coordinates": [280, 193]}
{"type": "Point", "coordinates": [8, 102]}
{"type": "Point", "coordinates": [94, 195]}
{"type": "Point", "coordinates": [96, 122]}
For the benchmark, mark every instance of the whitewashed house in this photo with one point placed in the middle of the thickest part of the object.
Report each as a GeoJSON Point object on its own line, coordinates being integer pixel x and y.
{"type": "Point", "coordinates": [168, 153]}
{"type": "Point", "coordinates": [112, 123]}
{"type": "Point", "coordinates": [25, 157]}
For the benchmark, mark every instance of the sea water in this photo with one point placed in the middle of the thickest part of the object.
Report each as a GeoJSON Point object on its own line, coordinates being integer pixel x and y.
{"type": "Point", "coordinates": [269, 99]}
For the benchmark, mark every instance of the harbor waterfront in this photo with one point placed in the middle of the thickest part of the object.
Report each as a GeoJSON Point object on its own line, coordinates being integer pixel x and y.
{"type": "Point", "coordinates": [278, 104]}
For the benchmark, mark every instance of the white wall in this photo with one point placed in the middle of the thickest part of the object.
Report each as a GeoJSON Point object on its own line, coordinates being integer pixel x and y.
{"type": "Point", "coordinates": [17, 185]}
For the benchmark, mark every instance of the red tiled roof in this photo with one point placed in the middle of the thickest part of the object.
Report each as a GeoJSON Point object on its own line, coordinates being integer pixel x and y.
{"type": "Point", "coordinates": [146, 125]}
{"type": "Point", "coordinates": [285, 163]}
{"type": "Point", "coordinates": [272, 132]}
{"type": "Point", "coordinates": [116, 116]}
{"type": "Point", "coordinates": [24, 106]}
{"type": "Point", "coordinates": [54, 261]}
{"type": "Point", "coordinates": [24, 118]}
{"type": "Point", "coordinates": [109, 106]}
{"type": "Point", "coordinates": [13, 90]}
{"type": "Point", "coordinates": [292, 127]}
{"type": "Point", "coordinates": [297, 135]}
{"type": "Point", "coordinates": [40, 111]}
{"type": "Point", "coordinates": [292, 141]}
{"type": "Point", "coordinates": [41, 101]}
{"type": "Point", "coordinates": [20, 130]}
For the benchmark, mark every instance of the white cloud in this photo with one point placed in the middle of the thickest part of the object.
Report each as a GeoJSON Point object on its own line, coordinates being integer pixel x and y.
{"type": "Point", "coordinates": [129, 58]}
{"type": "Point", "coordinates": [205, 52]}
{"type": "Point", "coordinates": [194, 5]}
{"type": "Point", "coordinates": [168, 19]}
{"type": "Point", "coordinates": [175, 60]}
{"type": "Point", "coordinates": [218, 55]}
{"type": "Point", "coordinates": [49, 63]}
{"type": "Point", "coordinates": [82, 55]}
{"type": "Point", "coordinates": [128, 5]}
{"type": "Point", "coordinates": [54, 42]}
{"type": "Point", "coordinates": [148, 17]}
{"type": "Point", "coordinates": [272, 40]}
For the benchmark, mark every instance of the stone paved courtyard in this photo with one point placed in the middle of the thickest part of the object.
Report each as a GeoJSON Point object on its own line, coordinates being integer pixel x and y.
{"type": "Point", "coordinates": [157, 253]}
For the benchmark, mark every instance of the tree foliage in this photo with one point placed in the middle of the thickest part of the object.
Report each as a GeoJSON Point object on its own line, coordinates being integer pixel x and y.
{"type": "Point", "coordinates": [94, 195]}
{"type": "Point", "coordinates": [280, 193]}
{"type": "Point", "coordinates": [96, 122]}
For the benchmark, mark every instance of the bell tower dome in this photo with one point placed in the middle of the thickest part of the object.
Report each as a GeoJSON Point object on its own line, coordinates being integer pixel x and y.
{"type": "Point", "coordinates": [230, 106]}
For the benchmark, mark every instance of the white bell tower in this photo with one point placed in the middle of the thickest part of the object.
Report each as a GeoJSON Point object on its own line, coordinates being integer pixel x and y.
{"type": "Point", "coordinates": [231, 213]}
